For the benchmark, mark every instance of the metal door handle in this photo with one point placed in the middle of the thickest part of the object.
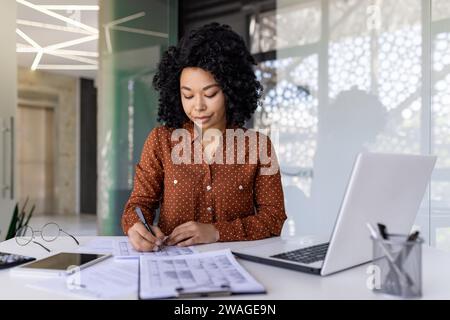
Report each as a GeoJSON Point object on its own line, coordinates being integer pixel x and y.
{"type": "Point", "coordinates": [8, 185]}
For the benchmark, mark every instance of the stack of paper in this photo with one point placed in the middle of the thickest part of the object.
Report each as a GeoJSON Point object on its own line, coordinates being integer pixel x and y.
{"type": "Point", "coordinates": [171, 272]}
{"type": "Point", "coordinates": [121, 248]}
{"type": "Point", "coordinates": [109, 279]}
{"type": "Point", "coordinates": [99, 245]}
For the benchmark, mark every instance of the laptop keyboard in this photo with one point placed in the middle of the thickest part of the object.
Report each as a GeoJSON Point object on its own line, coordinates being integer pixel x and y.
{"type": "Point", "coordinates": [305, 255]}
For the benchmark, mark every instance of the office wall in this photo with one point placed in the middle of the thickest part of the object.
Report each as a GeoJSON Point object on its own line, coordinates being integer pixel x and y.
{"type": "Point", "coordinates": [134, 36]}
{"type": "Point", "coordinates": [194, 14]}
{"type": "Point", "coordinates": [41, 89]}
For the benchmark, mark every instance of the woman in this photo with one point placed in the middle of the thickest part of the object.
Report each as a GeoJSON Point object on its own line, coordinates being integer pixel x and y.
{"type": "Point", "coordinates": [207, 90]}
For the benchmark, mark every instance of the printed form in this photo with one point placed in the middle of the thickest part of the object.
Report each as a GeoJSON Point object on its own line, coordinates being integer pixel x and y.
{"type": "Point", "coordinates": [122, 249]}
{"type": "Point", "coordinates": [199, 273]}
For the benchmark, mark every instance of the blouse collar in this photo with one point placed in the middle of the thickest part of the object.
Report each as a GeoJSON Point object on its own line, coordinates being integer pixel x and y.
{"type": "Point", "coordinates": [195, 133]}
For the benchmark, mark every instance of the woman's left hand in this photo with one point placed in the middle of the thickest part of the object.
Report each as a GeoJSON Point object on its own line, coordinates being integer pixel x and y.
{"type": "Point", "coordinates": [191, 233]}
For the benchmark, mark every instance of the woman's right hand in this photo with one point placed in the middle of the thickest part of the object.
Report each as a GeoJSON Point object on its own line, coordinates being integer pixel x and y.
{"type": "Point", "coordinates": [142, 240]}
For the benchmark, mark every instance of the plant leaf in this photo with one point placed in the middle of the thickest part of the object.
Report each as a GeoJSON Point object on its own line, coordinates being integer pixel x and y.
{"type": "Point", "coordinates": [22, 214]}
{"type": "Point", "coordinates": [13, 225]}
{"type": "Point", "coordinates": [29, 215]}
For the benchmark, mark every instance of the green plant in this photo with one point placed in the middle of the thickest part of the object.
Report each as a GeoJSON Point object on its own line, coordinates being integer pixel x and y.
{"type": "Point", "coordinates": [19, 219]}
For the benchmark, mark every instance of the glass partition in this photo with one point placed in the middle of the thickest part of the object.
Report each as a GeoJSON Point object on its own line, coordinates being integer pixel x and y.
{"type": "Point", "coordinates": [440, 119]}
{"type": "Point", "coordinates": [345, 76]}
{"type": "Point", "coordinates": [133, 36]}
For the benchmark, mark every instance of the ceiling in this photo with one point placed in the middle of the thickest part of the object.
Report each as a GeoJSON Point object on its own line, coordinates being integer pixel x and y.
{"type": "Point", "coordinates": [54, 36]}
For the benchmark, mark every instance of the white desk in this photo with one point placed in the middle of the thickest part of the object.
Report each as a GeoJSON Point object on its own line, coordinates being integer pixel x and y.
{"type": "Point", "coordinates": [279, 283]}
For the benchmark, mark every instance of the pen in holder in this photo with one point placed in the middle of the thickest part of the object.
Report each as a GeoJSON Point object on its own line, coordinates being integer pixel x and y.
{"type": "Point", "coordinates": [399, 260]}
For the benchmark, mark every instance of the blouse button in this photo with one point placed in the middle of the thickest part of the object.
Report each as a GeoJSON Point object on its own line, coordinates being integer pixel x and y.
{"type": "Point", "coordinates": [175, 181]}
{"type": "Point", "coordinates": [209, 209]}
{"type": "Point", "coordinates": [240, 187]}
{"type": "Point", "coordinates": [208, 188]}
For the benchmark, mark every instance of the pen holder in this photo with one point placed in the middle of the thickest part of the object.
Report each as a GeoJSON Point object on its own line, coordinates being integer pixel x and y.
{"type": "Point", "coordinates": [399, 265]}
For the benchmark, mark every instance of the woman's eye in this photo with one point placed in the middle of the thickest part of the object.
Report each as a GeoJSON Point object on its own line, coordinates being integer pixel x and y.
{"type": "Point", "coordinates": [188, 97]}
{"type": "Point", "coordinates": [211, 95]}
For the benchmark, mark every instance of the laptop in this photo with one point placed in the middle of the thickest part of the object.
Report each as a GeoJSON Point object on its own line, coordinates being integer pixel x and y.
{"type": "Point", "coordinates": [383, 188]}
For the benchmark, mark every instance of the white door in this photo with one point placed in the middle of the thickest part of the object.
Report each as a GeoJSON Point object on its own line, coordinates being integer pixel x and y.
{"type": "Point", "coordinates": [35, 158]}
{"type": "Point", "coordinates": [8, 93]}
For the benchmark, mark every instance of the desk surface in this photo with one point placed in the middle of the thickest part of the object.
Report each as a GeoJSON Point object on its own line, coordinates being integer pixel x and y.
{"type": "Point", "coordinates": [279, 283]}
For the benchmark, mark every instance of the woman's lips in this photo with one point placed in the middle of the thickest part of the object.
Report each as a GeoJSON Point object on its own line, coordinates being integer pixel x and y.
{"type": "Point", "coordinates": [202, 119]}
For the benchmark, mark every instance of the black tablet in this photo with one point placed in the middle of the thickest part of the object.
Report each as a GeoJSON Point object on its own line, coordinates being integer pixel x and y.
{"type": "Point", "coordinates": [63, 263]}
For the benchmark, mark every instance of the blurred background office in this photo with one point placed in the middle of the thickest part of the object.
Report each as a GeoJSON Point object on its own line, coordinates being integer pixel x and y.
{"type": "Point", "coordinates": [339, 77]}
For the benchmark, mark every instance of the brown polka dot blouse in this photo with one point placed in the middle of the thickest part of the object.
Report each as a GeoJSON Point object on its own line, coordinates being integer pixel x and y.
{"type": "Point", "coordinates": [237, 199]}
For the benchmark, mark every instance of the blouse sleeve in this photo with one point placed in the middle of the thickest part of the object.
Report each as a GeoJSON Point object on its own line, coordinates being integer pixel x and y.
{"type": "Point", "coordinates": [148, 183]}
{"type": "Point", "coordinates": [270, 214]}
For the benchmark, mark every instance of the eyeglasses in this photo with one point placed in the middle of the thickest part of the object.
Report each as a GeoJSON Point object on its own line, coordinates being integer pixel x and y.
{"type": "Point", "coordinates": [49, 232]}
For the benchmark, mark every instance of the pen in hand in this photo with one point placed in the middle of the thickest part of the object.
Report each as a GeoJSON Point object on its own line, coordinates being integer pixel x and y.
{"type": "Point", "coordinates": [144, 222]}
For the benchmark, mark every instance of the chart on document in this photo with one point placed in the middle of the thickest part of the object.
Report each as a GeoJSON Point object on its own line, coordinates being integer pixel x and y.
{"type": "Point", "coordinates": [162, 277]}
{"type": "Point", "coordinates": [122, 249]}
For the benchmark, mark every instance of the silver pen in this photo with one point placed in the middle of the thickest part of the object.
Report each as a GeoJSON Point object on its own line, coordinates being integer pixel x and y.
{"type": "Point", "coordinates": [144, 221]}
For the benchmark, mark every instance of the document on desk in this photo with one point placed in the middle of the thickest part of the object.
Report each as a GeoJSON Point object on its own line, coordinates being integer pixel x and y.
{"type": "Point", "coordinates": [122, 249]}
{"type": "Point", "coordinates": [99, 245]}
{"type": "Point", "coordinates": [109, 279]}
{"type": "Point", "coordinates": [199, 274]}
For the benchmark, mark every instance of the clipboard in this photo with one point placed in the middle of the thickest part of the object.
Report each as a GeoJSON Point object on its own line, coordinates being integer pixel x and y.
{"type": "Point", "coordinates": [182, 293]}
{"type": "Point", "coordinates": [221, 291]}
{"type": "Point", "coordinates": [193, 292]}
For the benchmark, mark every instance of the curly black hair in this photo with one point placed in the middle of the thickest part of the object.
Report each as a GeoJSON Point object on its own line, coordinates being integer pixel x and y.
{"type": "Point", "coordinates": [222, 52]}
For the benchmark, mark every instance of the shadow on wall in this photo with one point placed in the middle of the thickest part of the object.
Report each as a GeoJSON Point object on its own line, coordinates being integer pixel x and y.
{"type": "Point", "coordinates": [346, 126]}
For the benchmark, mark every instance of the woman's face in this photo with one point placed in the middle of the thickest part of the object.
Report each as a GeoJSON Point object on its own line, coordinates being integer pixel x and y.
{"type": "Point", "coordinates": [202, 98]}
